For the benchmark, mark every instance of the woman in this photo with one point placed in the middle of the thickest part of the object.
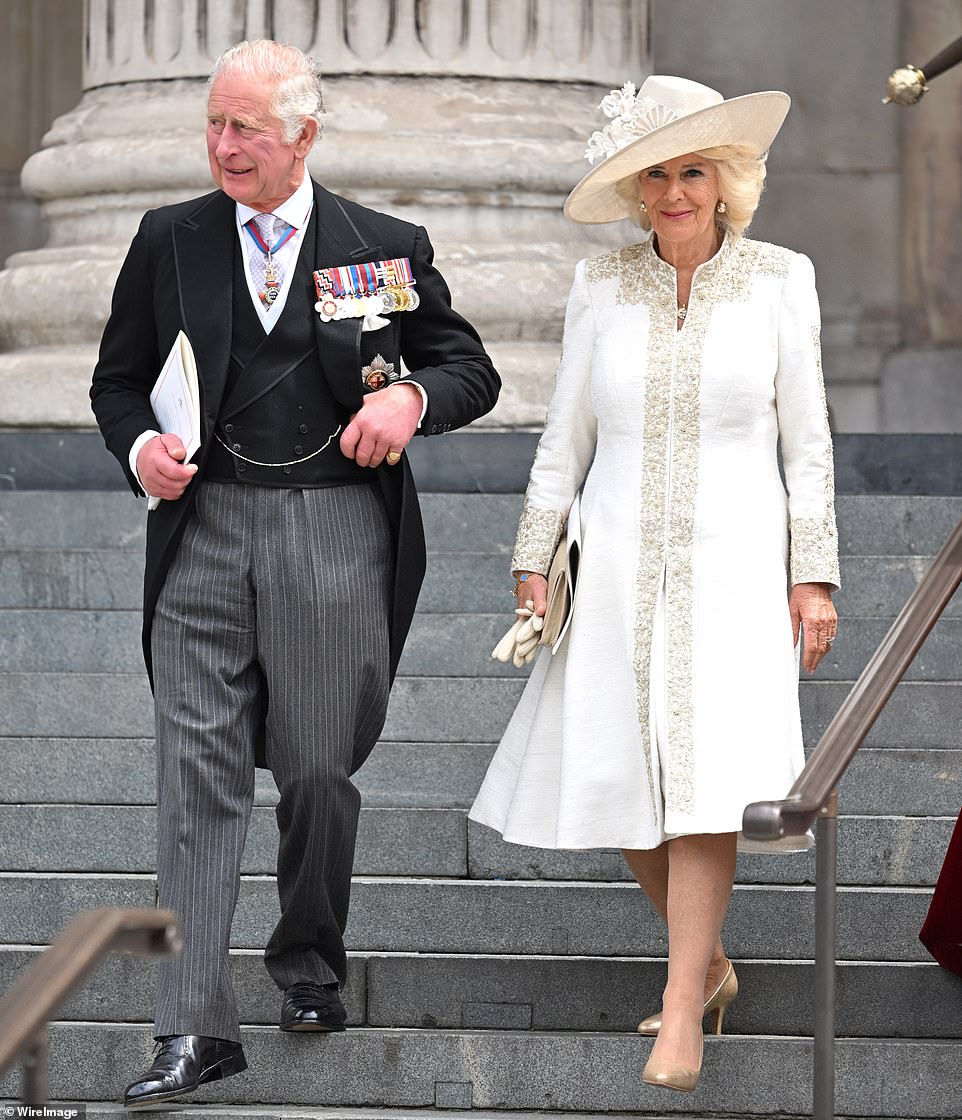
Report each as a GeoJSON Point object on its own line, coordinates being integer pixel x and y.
{"type": "Point", "coordinates": [673, 701]}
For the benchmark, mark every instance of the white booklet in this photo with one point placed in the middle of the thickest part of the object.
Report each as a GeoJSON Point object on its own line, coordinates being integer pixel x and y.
{"type": "Point", "coordinates": [175, 399]}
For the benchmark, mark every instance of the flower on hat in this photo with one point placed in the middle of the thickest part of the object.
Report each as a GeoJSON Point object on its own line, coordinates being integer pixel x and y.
{"type": "Point", "coordinates": [632, 116]}
{"type": "Point", "coordinates": [619, 102]}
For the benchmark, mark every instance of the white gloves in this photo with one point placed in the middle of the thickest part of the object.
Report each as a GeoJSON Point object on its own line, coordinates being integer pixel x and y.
{"type": "Point", "coordinates": [520, 644]}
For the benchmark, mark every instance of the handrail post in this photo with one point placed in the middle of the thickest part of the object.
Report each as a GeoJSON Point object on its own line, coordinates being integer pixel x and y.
{"type": "Point", "coordinates": [826, 881]}
{"type": "Point", "coordinates": [35, 1065]}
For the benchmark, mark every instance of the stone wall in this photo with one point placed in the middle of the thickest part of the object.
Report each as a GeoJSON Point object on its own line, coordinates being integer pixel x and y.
{"type": "Point", "coordinates": [471, 118]}
{"type": "Point", "coordinates": [40, 69]}
{"type": "Point", "coordinates": [834, 171]}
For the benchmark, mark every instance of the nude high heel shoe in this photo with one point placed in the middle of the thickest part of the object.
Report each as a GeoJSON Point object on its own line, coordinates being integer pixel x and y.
{"type": "Point", "coordinates": [670, 1076]}
{"type": "Point", "coordinates": [718, 1002]}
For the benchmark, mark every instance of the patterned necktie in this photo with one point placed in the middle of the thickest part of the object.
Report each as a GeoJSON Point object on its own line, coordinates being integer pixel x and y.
{"type": "Point", "coordinates": [266, 271]}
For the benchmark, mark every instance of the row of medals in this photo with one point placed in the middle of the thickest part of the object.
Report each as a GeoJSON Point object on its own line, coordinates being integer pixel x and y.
{"type": "Point", "coordinates": [383, 302]}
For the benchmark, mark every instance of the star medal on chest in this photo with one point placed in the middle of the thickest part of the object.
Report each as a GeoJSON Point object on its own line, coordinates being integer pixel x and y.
{"type": "Point", "coordinates": [379, 373]}
{"type": "Point", "coordinates": [365, 291]}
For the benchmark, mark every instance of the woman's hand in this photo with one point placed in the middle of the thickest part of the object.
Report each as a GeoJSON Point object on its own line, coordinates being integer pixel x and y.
{"type": "Point", "coordinates": [534, 589]}
{"type": "Point", "coordinates": [810, 605]}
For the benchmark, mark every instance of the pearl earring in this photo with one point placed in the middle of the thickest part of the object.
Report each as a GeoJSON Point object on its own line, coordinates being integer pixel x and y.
{"type": "Point", "coordinates": [721, 207]}
{"type": "Point", "coordinates": [642, 207]}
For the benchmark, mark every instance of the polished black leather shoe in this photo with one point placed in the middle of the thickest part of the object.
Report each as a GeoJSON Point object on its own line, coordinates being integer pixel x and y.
{"type": "Point", "coordinates": [183, 1062]}
{"type": "Point", "coordinates": [312, 1007]}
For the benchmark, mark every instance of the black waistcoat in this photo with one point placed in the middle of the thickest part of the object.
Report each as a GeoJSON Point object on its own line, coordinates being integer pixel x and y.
{"type": "Point", "coordinates": [277, 407]}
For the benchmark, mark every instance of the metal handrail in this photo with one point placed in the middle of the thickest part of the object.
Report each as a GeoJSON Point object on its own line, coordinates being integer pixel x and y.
{"type": "Point", "coordinates": [43, 989]}
{"type": "Point", "coordinates": [771, 820]}
{"type": "Point", "coordinates": [814, 797]}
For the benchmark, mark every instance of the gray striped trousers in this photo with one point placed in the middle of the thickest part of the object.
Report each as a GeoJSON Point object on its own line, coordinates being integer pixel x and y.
{"type": "Point", "coordinates": [272, 627]}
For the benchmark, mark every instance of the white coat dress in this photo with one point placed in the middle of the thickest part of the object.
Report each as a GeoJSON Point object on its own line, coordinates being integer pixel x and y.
{"type": "Point", "coordinates": [673, 701]}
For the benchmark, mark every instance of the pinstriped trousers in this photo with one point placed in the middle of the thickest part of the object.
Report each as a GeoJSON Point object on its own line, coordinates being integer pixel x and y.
{"type": "Point", "coordinates": [273, 621]}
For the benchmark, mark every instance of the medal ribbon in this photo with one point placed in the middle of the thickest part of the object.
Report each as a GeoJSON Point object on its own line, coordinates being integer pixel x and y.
{"type": "Point", "coordinates": [364, 279]}
{"type": "Point", "coordinates": [272, 279]}
{"type": "Point", "coordinates": [268, 250]}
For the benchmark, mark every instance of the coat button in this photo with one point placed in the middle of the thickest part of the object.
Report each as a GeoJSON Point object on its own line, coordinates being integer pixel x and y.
{"type": "Point", "coordinates": [228, 427]}
{"type": "Point", "coordinates": [303, 429]}
{"type": "Point", "coordinates": [236, 446]}
{"type": "Point", "coordinates": [242, 467]}
{"type": "Point", "coordinates": [298, 450]}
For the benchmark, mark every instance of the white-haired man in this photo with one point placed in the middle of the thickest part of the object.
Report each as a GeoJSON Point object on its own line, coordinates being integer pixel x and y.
{"type": "Point", "coordinates": [283, 565]}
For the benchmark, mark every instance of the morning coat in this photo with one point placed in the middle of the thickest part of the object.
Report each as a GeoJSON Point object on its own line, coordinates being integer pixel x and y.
{"type": "Point", "coordinates": [178, 276]}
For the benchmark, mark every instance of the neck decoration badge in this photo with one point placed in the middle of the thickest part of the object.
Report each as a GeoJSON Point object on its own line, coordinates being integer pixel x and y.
{"type": "Point", "coordinates": [272, 277]}
{"type": "Point", "coordinates": [369, 291]}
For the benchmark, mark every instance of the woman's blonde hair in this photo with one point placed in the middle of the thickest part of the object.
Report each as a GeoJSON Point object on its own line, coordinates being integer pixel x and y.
{"type": "Point", "coordinates": [741, 180]}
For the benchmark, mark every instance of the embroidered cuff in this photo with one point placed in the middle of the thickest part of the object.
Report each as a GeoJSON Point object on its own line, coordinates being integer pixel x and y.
{"type": "Point", "coordinates": [539, 531]}
{"type": "Point", "coordinates": [815, 550]}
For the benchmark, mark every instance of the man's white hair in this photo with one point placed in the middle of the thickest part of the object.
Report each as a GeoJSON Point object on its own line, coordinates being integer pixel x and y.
{"type": "Point", "coordinates": [294, 78]}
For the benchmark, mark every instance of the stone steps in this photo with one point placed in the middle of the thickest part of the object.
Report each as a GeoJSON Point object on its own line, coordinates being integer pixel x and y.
{"type": "Point", "coordinates": [442, 843]}
{"type": "Point", "coordinates": [439, 645]}
{"type": "Point", "coordinates": [503, 916]}
{"type": "Point", "coordinates": [108, 579]}
{"type": "Point", "coordinates": [869, 524]}
{"type": "Point", "coordinates": [488, 992]}
{"type": "Point", "coordinates": [101, 1110]}
{"type": "Point", "coordinates": [480, 974]}
{"type": "Point", "coordinates": [570, 1071]}
{"type": "Point", "coordinates": [434, 709]}
{"type": "Point", "coordinates": [98, 771]}
{"type": "Point", "coordinates": [101, 771]}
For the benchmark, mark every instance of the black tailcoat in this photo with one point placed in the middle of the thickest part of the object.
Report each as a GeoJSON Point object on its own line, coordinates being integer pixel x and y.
{"type": "Point", "coordinates": [178, 276]}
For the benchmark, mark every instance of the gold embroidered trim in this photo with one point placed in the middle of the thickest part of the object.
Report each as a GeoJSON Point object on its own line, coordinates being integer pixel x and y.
{"type": "Point", "coordinates": [815, 549]}
{"type": "Point", "coordinates": [539, 531]}
{"type": "Point", "coordinates": [814, 540]}
{"type": "Point", "coordinates": [649, 574]}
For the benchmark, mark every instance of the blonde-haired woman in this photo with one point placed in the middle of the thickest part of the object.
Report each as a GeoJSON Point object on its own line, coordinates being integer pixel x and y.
{"type": "Point", "coordinates": [688, 361]}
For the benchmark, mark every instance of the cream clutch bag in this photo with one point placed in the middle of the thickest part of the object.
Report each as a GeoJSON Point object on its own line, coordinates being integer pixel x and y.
{"type": "Point", "coordinates": [521, 642]}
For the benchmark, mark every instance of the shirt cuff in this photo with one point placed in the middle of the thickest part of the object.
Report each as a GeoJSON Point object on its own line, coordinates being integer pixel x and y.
{"type": "Point", "coordinates": [424, 396]}
{"type": "Point", "coordinates": [139, 442]}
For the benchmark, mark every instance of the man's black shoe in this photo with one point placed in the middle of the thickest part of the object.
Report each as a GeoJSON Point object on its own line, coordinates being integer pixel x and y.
{"type": "Point", "coordinates": [312, 1007]}
{"type": "Point", "coordinates": [183, 1062]}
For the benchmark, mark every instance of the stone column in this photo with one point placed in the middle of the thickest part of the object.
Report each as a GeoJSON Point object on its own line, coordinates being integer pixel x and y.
{"type": "Point", "coordinates": [468, 116]}
{"type": "Point", "coordinates": [40, 77]}
{"type": "Point", "coordinates": [922, 383]}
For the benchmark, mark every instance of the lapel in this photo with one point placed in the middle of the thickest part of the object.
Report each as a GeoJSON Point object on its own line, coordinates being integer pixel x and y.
{"type": "Point", "coordinates": [203, 245]}
{"type": "Point", "coordinates": [338, 241]}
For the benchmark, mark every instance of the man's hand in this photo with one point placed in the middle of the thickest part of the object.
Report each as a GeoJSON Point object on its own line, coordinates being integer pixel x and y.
{"type": "Point", "coordinates": [161, 466]}
{"type": "Point", "coordinates": [386, 422]}
{"type": "Point", "coordinates": [810, 605]}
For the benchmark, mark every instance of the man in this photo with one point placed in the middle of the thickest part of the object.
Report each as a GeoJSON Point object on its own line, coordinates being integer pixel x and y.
{"type": "Point", "coordinates": [284, 564]}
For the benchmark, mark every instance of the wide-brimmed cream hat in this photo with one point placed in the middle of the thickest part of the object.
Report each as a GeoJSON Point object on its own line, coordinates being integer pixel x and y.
{"type": "Point", "coordinates": [668, 117]}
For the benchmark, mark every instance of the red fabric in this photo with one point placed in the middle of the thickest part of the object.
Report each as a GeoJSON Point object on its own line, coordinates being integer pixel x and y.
{"type": "Point", "coordinates": [942, 931]}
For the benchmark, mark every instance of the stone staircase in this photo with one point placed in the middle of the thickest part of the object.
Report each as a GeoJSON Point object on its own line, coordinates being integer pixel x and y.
{"type": "Point", "coordinates": [482, 975]}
